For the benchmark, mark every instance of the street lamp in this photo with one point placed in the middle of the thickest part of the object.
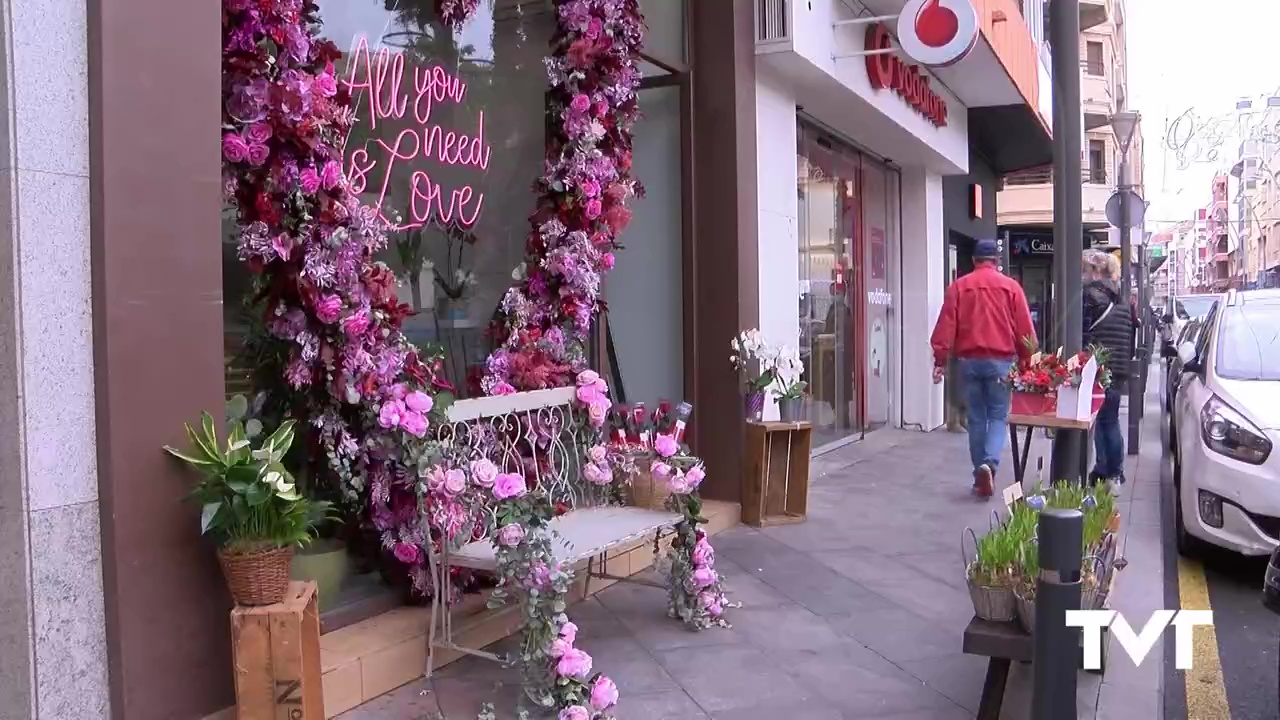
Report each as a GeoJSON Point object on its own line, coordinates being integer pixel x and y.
{"type": "Point", "coordinates": [1124, 123]}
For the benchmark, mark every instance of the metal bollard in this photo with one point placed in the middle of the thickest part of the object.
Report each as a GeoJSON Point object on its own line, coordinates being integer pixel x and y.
{"type": "Point", "coordinates": [1057, 647]}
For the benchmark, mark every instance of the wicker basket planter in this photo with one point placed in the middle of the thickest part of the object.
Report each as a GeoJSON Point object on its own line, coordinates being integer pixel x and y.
{"type": "Point", "coordinates": [644, 490]}
{"type": "Point", "coordinates": [990, 603]}
{"type": "Point", "coordinates": [260, 577]}
{"type": "Point", "coordinates": [1026, 611]}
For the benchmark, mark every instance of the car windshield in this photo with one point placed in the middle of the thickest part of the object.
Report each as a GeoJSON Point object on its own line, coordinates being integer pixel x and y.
{"type": "Point", "coordinates": [1194, 307]}
{"type": "Point", "coordinates": [1249, 342]}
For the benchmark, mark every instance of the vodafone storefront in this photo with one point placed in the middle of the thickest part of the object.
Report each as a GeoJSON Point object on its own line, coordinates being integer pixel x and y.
{"type": "Point", "coordinates": [854, 211]}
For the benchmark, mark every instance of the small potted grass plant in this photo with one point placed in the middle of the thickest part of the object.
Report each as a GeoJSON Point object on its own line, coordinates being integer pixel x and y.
{"type": "Point", "coordinates": [250, 507]}
{"type": "Point", "coordinates": [991, 574]}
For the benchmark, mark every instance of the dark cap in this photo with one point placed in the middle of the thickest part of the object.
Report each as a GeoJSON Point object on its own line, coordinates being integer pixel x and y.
{"type": "Point", "coordinates": [986, 250]}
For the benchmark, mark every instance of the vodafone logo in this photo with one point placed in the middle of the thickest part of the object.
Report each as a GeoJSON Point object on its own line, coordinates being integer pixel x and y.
{"type": "Point", "coordinates": [937, 33]}
{"type": "Point", "coordinates": [887, 71]}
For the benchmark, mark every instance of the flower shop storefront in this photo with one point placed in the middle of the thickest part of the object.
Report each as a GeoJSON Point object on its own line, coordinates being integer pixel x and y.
{"type": "Point", "coordinates": [386, 277]}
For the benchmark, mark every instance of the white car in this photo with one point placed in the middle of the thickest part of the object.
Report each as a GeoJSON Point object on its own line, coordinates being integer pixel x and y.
{"type": "Point", "coordinates": [1227, 425]}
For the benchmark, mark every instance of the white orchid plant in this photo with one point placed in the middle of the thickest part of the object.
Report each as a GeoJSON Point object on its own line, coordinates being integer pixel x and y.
{"type": "Point", "coordinates": [788, 368]}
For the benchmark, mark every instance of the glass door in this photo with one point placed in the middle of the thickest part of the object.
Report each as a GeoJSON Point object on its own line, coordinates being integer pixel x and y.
{"type": "Point", "coordinates": [828, 218]}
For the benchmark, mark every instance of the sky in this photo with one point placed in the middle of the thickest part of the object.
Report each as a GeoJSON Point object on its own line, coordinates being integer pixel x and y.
{"type": "Point", "coordinates": [1199, 56]}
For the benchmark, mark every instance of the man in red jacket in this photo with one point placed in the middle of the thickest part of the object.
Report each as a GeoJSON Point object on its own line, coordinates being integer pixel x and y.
{"type": "Point", "coordinates": [985, 324]}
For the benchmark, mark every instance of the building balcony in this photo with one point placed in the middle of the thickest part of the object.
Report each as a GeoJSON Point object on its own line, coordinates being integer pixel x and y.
{"type": "Point", "coordinates": [1094, 13]}
{"type": "Point", "coordinates": [1096, 99]}
{"type": "Point", "coordinates": [1026, 198]}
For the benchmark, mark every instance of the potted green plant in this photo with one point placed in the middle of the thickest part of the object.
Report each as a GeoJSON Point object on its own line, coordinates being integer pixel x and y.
{"type": "Point", "coordinates": [991, 574]}
{"type": "Point", "coordinates": [250, 507]}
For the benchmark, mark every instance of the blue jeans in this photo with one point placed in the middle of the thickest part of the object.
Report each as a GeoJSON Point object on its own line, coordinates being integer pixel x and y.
{"type": "Point", "coordinates": [987, 398]}
{"type": "Point", "coordinates": [1108, 440]}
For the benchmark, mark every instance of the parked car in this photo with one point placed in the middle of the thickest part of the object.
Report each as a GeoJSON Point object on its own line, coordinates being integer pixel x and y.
{"type": "Point", "coordinates": [1187, 308]}
{"type": "Point", "coordinates": [1170, 353]}
{"type": "Point", "coordinates": [1226, 424]}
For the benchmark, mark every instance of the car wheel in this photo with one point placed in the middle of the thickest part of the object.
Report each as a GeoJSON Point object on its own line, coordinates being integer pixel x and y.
{"type": "Point", "coordinates": [1188, 545]}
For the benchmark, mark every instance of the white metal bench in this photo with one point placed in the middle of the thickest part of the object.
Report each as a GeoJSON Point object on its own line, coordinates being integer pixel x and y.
{"type": "Point", "coordinates": [502, 428]}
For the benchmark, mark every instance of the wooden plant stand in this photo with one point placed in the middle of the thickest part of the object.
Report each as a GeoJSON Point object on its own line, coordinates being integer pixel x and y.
{"type": "Point", "coordinates": [775, 484]}
{"type": "Point", "coordinates": [276, 653]}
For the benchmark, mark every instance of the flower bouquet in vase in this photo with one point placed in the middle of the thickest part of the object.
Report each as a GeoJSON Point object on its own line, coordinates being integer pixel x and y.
{"type": "Point", "coordinates": [754, 360]}
{"type": "Point", "coordinates": [1035, 384]}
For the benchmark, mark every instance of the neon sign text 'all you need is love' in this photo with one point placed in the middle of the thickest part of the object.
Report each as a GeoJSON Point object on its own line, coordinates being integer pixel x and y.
{"type": "Point", "coordinates": [381, 76]}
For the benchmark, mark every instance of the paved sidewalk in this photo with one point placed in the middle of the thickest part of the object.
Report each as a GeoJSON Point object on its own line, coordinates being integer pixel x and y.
{"type": "Point", "coordinates": [857, 613]}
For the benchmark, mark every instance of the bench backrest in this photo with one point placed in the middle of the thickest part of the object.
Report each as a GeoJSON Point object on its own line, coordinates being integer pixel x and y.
{"type": "Point", "coordinates": [539, 431]}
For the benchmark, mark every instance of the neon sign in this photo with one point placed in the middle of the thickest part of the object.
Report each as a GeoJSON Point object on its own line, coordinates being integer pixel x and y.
{"type": "Point", "coordinates": [381, 76]}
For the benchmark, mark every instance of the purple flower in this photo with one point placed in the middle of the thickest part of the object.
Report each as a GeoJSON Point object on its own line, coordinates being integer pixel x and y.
{"type": "Point", "coordinates": [391, 414]}
{"type": "Point", "coordinates": [414, 423]}
{"type": "Point", "coordinates": [594, 208]}
{"type": "Point", "coordinates": [510, 535]}
{"type": "Point", "coordinates": [258, 154]}
{"type": "Point", "coordinates": [483, 472]}
{"type": "Point", "coordinates": [234, 148]}
{"type": "Point", "coordinates": [704, 577]}
{"type": "Point", "coordinates": [597, 474]}
{"type": "Point", "coordinates": [407, 553]}
{"type": "Point", "coordinates": [574, 663]}
{"type": "Point", "coordinates": [509, 485]}
{"type": "Point", "coordinates": [574, 712]}
{"type": "Point", "coordinates": [258, 133]}
{"type": "Point", "coordinates": [580, 104]}
{"type": "Point", "coordinates": [355, 324]}
{"type": "Point", "coordinates": [695, 476]}
{"type": "Point", "coordinates": [455, 482]}
{"type": "Point", "coordinates": [309, 179]}
{"type": "Point", "coordinates": [331, 175]}
{"type": "Point", "coordinates": [604, 694]}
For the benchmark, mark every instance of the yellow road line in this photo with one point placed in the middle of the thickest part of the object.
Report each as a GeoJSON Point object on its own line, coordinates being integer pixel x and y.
{"type": "Point", "coordinates": [1206, 690]}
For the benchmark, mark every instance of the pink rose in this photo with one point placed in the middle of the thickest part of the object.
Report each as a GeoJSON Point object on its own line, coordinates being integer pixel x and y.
{"type": "Point", "coordinates": [602, 108]}
{"type": "Point", "coordinates": [331, 175]}
{"type": "Point", "coordinates": [712, 603]}
{"type": "Point", "coordinates": [607, 261]}
{"type": "Point", "coordinates": [407, 553]}
{"type": "Point", "coordinates": [588, 394]}
{"type": "Point", "coordinates": [511, 535]}
{"type": "Point", "coordinates": [559, 647]}
{"type": "Point", "coordinates": [597, 412]}
{"type": "Point", "coordinates": [234, 148]}
{"type": "Point", "coordinates": [666, 445]}
{"type": "Point", "coordinates": [587, 378]}
{"type": "Point", "coordinates": [509, 485]}
{"type": "Point", "coordinates": [591, 188]}
{"type": "Point", "coordinates": [703, 553]}
{"type": "Point", "coordinates": [695, 476]}
{"type": "Point", "coordinates": [580, 104]}
{"type": "Point", "coordinates": [419, 401]}
{"type": "Point", "coordinates": [660, 470]}
{"type": "Point", "coordinates": [355, 324]}
{"type": "Point", "coordinates": [414, 423]}
{"type": "Point", "coordinates": [574, 712]}
{"type": "Point", "coordinates": [326, 85]}
{"type": "Point", "coordinates": [309, 179]}
{"type": "Point", "coordinates": [540, 576]}
{"type": "Point", "coordinates": [329, 309]}
{"type": "Point", "coordinates": [594, 208]}
{"type": "Point", "coordinates": [598, 454]}
{"type": "Point", "coordinates": [604, 694]}
{"type": "Point", "coordinates": [504, 388]}
{"type": "Point", "coordinates": [597, 475]}
{"type": "Point", "coordinates": [594, 27]}
{"type": "Point", "coordinates": [435, 478]}
{"type": "Point", "coordinates": [704, 577]}
{"type": "Point", "coordinates": [455, 482]}
{"type": "Point", "coordinates": [574, 664]}
{"type": "Point", "coordinates": [677, 484]}
{"type": "Point", "coordinates": [258, 133]}
{"type": "Point", "coordinates": [391, 414]}
{"type": "Point", "coordinates": [258, 154]}
{"type": "Point", "coordinates": [569, 631]}
{"type": "Point", "coordinates": [483, 472]}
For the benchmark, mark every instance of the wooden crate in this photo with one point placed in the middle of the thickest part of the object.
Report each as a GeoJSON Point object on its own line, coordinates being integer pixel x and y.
{"type": "Point", "coordinates": [276, 651]}
{"type": "Point", "coordinates": [775, 486]}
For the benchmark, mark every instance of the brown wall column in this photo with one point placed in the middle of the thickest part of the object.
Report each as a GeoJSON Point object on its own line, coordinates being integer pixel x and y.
{"type": "Point", "coordinates": [154, 115]}
{"type": "Point", "coordinates": [723, 277]}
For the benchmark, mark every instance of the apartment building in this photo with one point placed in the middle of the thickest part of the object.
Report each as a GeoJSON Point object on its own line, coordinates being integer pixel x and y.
{"type": "Point", "coordinates": [1025, 202]}
{"type": "Point", "coordinates": [1257, 186]}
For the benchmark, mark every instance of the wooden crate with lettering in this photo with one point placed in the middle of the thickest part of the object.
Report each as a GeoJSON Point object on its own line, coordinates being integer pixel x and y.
{"type": "Point", "coordinates": [775, 487]}
{"type": "Point", "coordinates": [276, 651]}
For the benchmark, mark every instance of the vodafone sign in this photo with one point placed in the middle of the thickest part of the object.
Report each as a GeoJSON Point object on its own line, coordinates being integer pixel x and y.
{"type": "Point", "coordinates": [887, 71]}
{"type": "Point", "coordinates": [938, 32]}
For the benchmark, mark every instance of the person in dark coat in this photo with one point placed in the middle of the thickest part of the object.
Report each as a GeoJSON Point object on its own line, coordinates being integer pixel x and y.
{"type": "Point", "coordinates": [1108, 323]}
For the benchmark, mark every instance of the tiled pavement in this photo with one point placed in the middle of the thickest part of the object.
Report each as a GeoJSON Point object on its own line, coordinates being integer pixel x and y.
{"type": "Point", "coordinates": [856, 613]}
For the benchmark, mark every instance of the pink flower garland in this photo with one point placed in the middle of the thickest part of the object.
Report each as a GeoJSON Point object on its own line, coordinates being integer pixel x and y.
{"type": "Point", "coordinates": [330, 311]}
{"type": "Point", "coordinates": [544, 320]}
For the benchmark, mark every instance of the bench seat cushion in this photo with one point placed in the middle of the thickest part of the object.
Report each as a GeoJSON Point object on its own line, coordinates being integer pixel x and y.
{"type": "Point", "coordinates": [579, 534]}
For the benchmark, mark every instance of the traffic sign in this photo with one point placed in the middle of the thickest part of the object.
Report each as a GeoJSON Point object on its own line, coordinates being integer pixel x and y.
{"type": "Point", "coordinates": [1137, 209]}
